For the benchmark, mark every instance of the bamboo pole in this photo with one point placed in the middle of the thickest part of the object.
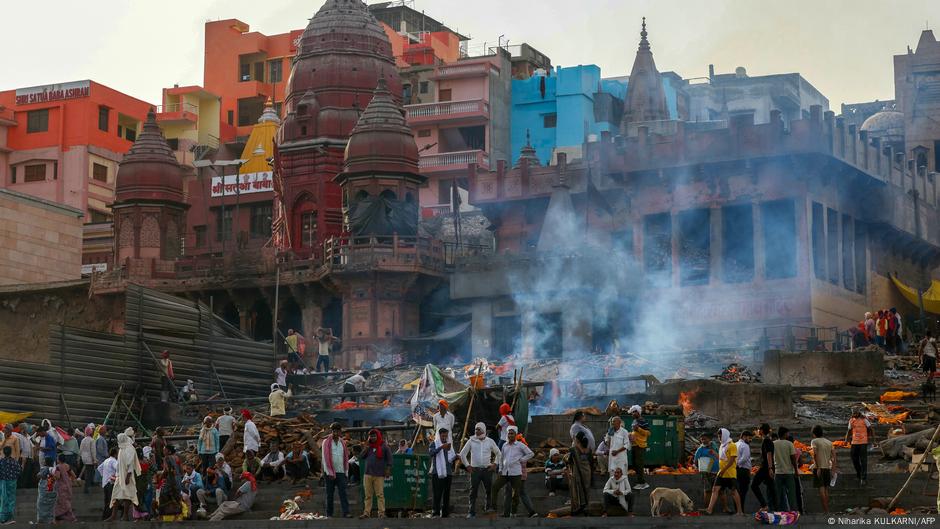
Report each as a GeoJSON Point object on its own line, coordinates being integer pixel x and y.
{"type": "Point", "coordinates": [914, 471]}
{"type": "Point", "coordinates": [473, 394]}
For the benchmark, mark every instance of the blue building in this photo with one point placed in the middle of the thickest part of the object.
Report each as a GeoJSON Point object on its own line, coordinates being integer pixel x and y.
{"type": "Point", "coordinates": [561, 109]}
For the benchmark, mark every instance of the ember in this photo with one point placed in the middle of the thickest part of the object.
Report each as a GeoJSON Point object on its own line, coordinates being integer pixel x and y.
{"type": "Point", "coordinates": [737, 373]}
{"type": "Point", "coordinates": [685, 400]}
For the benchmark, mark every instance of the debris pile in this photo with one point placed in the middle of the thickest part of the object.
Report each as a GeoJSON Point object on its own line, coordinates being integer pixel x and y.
{"type": "Point", "coordinates": [697, 420]}
{"type": "Point", "coordinates": [737, 373]}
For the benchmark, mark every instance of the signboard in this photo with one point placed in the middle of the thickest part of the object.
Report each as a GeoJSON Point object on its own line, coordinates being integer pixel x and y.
{"type": "Point", "coordinates": [247, 183]}
{"type": "Point", "coordinates": [52, 92]}
{"type": "Point", "coordinates": [88, 269]}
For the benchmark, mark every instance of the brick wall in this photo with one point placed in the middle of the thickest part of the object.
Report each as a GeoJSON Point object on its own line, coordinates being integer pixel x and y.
{"type": "Point", "coordinates": [39, 241]}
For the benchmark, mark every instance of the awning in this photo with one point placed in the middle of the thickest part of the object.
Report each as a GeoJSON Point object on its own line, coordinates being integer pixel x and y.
{"type": "Point", "coordinates": [441, 336]}
{"type": "Point", "coordinates": [931, 295]}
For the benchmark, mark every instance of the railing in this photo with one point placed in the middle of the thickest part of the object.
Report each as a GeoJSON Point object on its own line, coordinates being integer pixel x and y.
{"type": "Point", "coordinates": [463, 69]}
{"type": "Point", "coordinates": [178, 107]}
{"type": "Point", "coordinates": [454, 253]}
{"type": "Point", "coordinates": [446, 108]}
{"type": "Point", "coordinates": [457, 159]}
{"type": "Point", "coordinates": [369, 252]}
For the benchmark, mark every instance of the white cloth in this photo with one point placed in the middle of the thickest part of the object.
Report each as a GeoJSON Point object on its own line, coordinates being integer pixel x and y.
{"type": "Point", "coordinates": [251, 439]}
{"type": "Point", "coordinates": [744, 454]}
{"type": "Point", "coordinates": [87, 450]}
{"type": "Point", "coordinates": [619, 439]}
{"type": "Point", "coordinates": [578, 427]}
{"type": "Point", "coordinates": [126, 489]}
{"type": "Point", "coordinates": [513, 456]}
{"type": "Point", "coordinates": [482, 452]}
{"type": "Point", "coordinates": [336, 455]}
{"type": "Point", "coordinates": [324, 347]}
{"type": "Point", "coordinates": [273, 459]}
{"type": "Point", "coordinates": [443, 459]}
{"type": "Point", "coordinates": [280, 376]}
{"type": "Point", "coordinates": [503, 426]}
{"type": "Point", "coordinates": [725, 441]}
{"type": "Point", "coordinates": [358, 381]}
{"type": "Point", "coordinates": [108, 470]}
{"type": "Point", "coordinates": [226, 425]}
{"type": "Point", "coordinates": [445, 421]}
{"type": "Point", "coordinates": [623, 485]}
{"type": "Point", "coordinates": [26, 446]}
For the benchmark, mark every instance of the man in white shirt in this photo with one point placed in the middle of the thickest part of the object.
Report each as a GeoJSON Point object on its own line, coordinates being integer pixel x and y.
{"type": "Point", "coordinates": [443, 418]}
{"type": "Point", "coordinates": [617, 491]}
{"type": "Point", "coordinates": [226, 426]}
{"type": "Point", "coordinates": [251, 439]}
{"type": "Point", "coordinates": [355, 384]}
{"type": "Point", "coordinates": [280, 374]}
{"type": "Point", "coordinates": [273, 464]}
{"type": "Point", "coordinates": [108, 470]}
{"type": "Point", "coordinates": [514, 455]}
{"type": "Point", "coordinates": [483, 457]}
{"type": "Point", "coordinates": [744, 463]}
{"type": "Point", "coordinates": [87, 452]}
{"type": "Point", "coordinates": [334, 456]}
{"type": "Point", "coordinates": [442, 456]}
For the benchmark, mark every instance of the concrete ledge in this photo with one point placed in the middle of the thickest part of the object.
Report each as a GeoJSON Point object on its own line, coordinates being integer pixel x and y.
{"type": "Point", "coordinates": [823, 368]}
{"type": "Point", "coordinates": [734, 403]}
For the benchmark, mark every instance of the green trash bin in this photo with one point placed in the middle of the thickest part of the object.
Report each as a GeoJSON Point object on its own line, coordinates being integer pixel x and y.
{"type": "Point", "coordinates": [663, 446]}
{"type": "Point", "coordinates": [411, 470]}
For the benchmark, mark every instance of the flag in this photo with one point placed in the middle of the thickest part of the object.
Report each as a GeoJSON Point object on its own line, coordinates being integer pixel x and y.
{"type": "Point", "coordinates": [432, 387]}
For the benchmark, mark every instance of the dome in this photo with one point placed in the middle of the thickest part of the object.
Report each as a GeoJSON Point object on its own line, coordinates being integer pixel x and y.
{"type": "Point", "coordinates": [885, 124]}
{"type": "Point", "coordinates": [149, 171]}
{"type": "Point", "coordinates": [381, 142]}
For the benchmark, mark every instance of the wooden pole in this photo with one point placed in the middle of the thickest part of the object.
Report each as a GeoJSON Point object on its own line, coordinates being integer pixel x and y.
{"type": "Point", "coordinates": [470, 407]}
{"type": "Point", "coordinates": [914, 471]}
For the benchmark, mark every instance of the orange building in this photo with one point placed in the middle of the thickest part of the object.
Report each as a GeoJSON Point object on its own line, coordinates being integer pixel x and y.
{"type": "Point", "coordinates": [62, 143]}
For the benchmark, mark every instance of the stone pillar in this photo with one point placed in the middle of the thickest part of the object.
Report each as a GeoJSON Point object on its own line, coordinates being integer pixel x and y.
{"type": "Point", "coordinates": [481, 329]}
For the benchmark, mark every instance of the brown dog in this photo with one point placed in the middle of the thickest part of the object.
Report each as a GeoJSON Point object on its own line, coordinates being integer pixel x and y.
{"type": "Point", "coordinates": [674, 497]}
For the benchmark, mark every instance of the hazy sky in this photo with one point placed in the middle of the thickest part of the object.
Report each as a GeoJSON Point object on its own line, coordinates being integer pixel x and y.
{"type": "Point", "coordinates": [843, 47]}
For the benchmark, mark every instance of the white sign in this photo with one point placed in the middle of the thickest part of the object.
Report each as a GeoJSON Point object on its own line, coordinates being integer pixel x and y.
{"type": "Point", "coordinates": [88, 269]}
{"type": "Point", "coordinates": [247, 183]}
{"type": "Point", "coordinates": [52, 92]}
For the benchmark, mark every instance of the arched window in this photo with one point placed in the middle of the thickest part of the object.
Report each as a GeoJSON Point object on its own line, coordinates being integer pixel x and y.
{"type": "Point", "coordinates": [388, 194]}
{"type": "Point", "coordinates": [409, 198]}
{"type": "Point", "coordinates": [362, 195]}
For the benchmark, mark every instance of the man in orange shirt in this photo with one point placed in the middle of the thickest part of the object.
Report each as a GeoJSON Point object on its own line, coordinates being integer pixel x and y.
{"type": "Point", "coordinates": [861, 432]}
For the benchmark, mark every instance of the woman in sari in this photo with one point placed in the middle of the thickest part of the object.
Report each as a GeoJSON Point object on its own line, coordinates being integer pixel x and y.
{"type": "Point", "coordinates": [46, 499]}
{"type": "Point", "coordinates": [168, 505]}
{"type": "Point", "coordinates": [580, 472]}
{"type": "Point", "coordinates": [64, 475]}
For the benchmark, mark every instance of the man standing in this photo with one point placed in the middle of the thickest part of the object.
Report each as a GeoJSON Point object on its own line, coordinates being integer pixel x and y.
{"type": "Point", "coordinates": [325, 340]}
{"type": "Point", "coordinates": [278, 400]}
{"type": "Point", "coordinates": [226, 426]}
{"type": "Point", "coordinates": [765, 471]}
{"type": "Point", "coordinates": [27, 457]}
{"type": "Point", "coordinates": [166, 376]}
{"type": "Point", "coordinates": [293, 341]}
{"type": "Point", "coordinates": [785, 465]}
{"type": "Point", "coordinates": [251, 439]}
{"type": "Point", "coordinates": [208, 444]}
{"type": "Point", "coordinates": [483, 457]}
{"type": "Point", "coordinates": [443, 418]}
{"type": "Point", "coordinates": [513, 455]}
{"type": "Point", "coordinates": [377, 460]}
{"type": "Point", "coordinates": [442, 458]}
{"type": "Point", "coordinates": [108, 470]}
{"type": "Point", "coordinates": [280, 374]}
{"type": "Point", "coordinates": [89, 462]}
{"type": "Point", "coordinates": [640, 436]}
{"type": "Point", "coordinates": [618, 444]}
{"type": "Point", "coordinates": [744, 464]}
{"type": "Point", "coordinates": [334, 456]}
{"type": "Point", "coordinates": [861, 432]}
{"type": "Point", "coordinates": [928, 354]}
{"type": "Point", "coordinates": [824, 459]}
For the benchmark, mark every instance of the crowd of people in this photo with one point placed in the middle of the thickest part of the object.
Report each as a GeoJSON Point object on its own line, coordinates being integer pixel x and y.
{"type": "Point", "coordinates": [884, 328]}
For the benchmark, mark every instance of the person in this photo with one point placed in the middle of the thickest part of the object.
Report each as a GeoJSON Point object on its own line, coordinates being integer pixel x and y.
{"type": "Point", "coordinates": [188, 392]}
{"type": "Point", "coordinates": [169, 505]}
{"type": "Point", "coordinates": [280, 374]}
{"type": "Point", "coordinates": [765, 471]}
{"type": "Point", "coordinates": [355, 384]}
{"type": "Point", "coordinates": [824, 463]}
{"type": "Point", "coordinates": [242, 501]}
{"type": "Point", "coordinates": [617, 491]}
{"type": "Point", "coordinates": [86, 452]}
{"type": "Point", "coordinates": [442, 455]}
{"type": "Point", "coordinates": [47, 444]}
{"type": "Point", "coordinates": [555, 472]}
{"type": "Point", "coordinates": [898, 330]}
{"type": "Point", "coordinates": [706, 458]}
{"type": "Point", "coordinates": [251, 463]}
{"type": "Point", "coordinates": [9, 474]}
{"type": "Point", "coordinates": [522, 495]}
{"type": "Point", "coordinates": [580, 470]}
{"type": "Point", "coordinates": [861, 433]}
{"type": "Point", "coordinates": [785, 465]}
{"type": "Point", "coordinates": [577, 425]}
{"type": "Point", "coordinates": [726, 479]}
{"type": "Point", "coordinates": [744, 464]}
{"type": "Point", "coordinates": [639, 438]}
{"type": "Point", "coordinates": [28, 475]}
{"type": "Point", "coordinates": [377, 460]}
{"type": "Point", "coordinates": [144, 484]}
{"type": "Point", "coordinates": [208, 445]}
{"type": "Point", "coordinates": [251, 439]}
{"type": "Point", "coordinates": [505, 421]}
{"type": "Point", "coordinates": [297, 464]}
{"type": "Point", "coordinates": [443, 418]}
{"type": "Point", "coordinates": [354, 470]}
{"type": "Point", "coordinates": [325, 340]}
{"type": "Point", "coordinates": [10, 440]}
{"type": "Point", "coordinates": [870, 330]}
{"type": "Point", "coordinates": [513, 456]}
{"type": "Point", "coordinates": [484, 454]}
{"type": "Point", "coordinates": [798, 485]}
{"type": "Point", "coordinates": [226, 426]}
{"type": "Point", "coordinates": [278, 400]}
{"type": "Point", "coordinates": [928, 354]}
{"type": "Point", "coordinates": [108, 470]}
{"type": "Point", "coordinates": [403, 447]}
{"type": "Point", "coordinates": [158, 446]}
{"type": "Point", "coordinates": [216, 488]}
{"type": "Point", "coordinates": [172, 461]}
{"type": "Point", "coordinates": [272, 465]}
{"type": "Point", "coordinates": [601, 453]}
{"type": "Point", "coordinates": [166, 376]}
{"type": "Point", "coordinates": [191, 481]}
{"type": "Point", "coordinates": [70, 447]}
{"type": "Point", "coordinates": [334, 456]}
{"type": "Point", "coordinates": [618, 444]}
{"type": "Point", "coordinates": [63, 477]}
{"type": "Point", "coordinates": [102, 450]}
{"type": "Point", "coordinates": [881, 328]}
{"type": "Point", "coordinates": [46, 498]}
{"type": "Point", "coordinates": [221, 465]}
{"type": "Point", "coordinates": [124, 493]}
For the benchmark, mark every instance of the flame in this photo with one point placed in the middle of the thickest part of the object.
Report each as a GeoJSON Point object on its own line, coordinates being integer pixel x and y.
{"type": "Point", "coordinates": [898, 512]}
{"type": "Point", "coordinates": [685, 400]}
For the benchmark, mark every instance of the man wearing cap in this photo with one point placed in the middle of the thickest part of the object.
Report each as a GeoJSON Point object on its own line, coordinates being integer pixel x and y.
{"type": "Point", "coordinates": [639, 437]}
{"type": "Point", "coordinates": [514, 455]}
{"type": "Point", "coordinates": [443, 418]}
{"type": "Point", "coordinates": [442, 458]}
{"type": "Point", "coordinates": [334, 456]}
{"type": "Point", "coordinates": [278, 400]}
{"type": "Point", "coordinates": [484, 454]}
{"type": "Point", "coordinates": [226, 426]}
{"type": "Point", "coordinates": [555, 472]}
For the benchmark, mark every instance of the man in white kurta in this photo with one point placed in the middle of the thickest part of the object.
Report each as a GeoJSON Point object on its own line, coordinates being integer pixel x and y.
{"type": "Point", "coordinates": [618, 442]}
{"type": "Point", "coordinates": [125, 482]}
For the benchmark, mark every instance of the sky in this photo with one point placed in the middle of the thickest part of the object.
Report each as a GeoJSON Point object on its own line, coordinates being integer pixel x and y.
{"type": "Point", "coordinates": [843, 47]}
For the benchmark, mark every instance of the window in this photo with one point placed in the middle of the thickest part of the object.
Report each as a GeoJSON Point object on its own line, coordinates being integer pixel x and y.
{"type": "Point", "coordinates": [99, 172]}
{"type": "Point", "coordinates": [98, 217]}
{"type": "Point", "coordinates": [130, 134]}
{"type": "Point", "coordinates": [423, 87]}
{"type": "Point", "coordinates": [406, 94]}
{"type": "Point", "coordinates": [308, 228]}
{"type": "Point", "coordinates": [550, 121]}
{"type": "Point", "coordinates": [223, 224]}
{"type": "Point", "coordinates": [778, 219]}
{"type": "Point", "coordinates": [260, 220]}
{"type": "Point", "coordinates": [737, 243]}
{"type": "Point", "coordinates": [201, 232]}
{"type": "Point", "coordinates": [275, 72]}
{"type": "Point", "coordinates": [621, 242]}
{"type": "Point", "coordinates": [657, 246]}
{"type": "Point", "coordinates": [34, 173]}
{"type": "Point", "coordinates": [819, 242]}
{"type": "Point", "coordinates": [694, 246]}
{"type": "Point", "coordinates": [12, 174]}
{"type": "Point", "coordinates": [848, 254]}
{"type": "Point", "coordinates": [549, 327]}
{"type": "Point", "coordinates": [444, 94]}
{"type": "Point", "coordinates": [259, 71]}
{"type": "Point", "coordinates": [245, 72]}
{"type": "Point", "coordinates": [861, 258]}
{"type": "Point", "coordinates": [507, 334]}
{"type": "Point", "coordinates": [424, 133]}
{"type": "Point", "coordinates": [249, 110]}
{"type": "Point", "coordinates": [174, 143]}
{"type": "Point", "coordinates": [444, 191]}
{"type": "Point", "coordinates": [37, 121]}
{"type": "Point", "coordinates": [277, 108]}
{"type": "Point", "coordinates": [832, 245]}
{"type": "Point", "coordinates": [230, 117]}
{"type": "Point", "coordinates": [103, 114]}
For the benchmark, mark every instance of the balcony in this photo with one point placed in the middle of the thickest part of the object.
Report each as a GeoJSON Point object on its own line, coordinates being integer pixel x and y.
{"type": "Point", "coordinates": [178, 113]}
{"type": "Point", "coordinates": [435, 210]}
{"type": "Point", "coordinates": [447, 110]}
{"type": "Point", "coordinates": [455, 71]}
{"type": "Point", "coordinates": [392, 253]}
{"type": "Point", "coordinates": [454, 161]}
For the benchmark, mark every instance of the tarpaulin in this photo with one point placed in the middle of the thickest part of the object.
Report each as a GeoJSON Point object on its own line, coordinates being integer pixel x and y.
{"type": "Point", "coordinates": [377, 215]}
{"type": "Point", "coordinates": [13, 418]}
{"type": "Point", "coordinates": [434, 386]}
{"type": "Point", "coordinates": [931, 295]}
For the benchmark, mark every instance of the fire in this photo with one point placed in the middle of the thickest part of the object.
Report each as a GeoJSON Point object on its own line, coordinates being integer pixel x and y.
{"type": "Point", "coordinates": [685, 400]}
{"type": "Point", "coordinates": [898, 512]}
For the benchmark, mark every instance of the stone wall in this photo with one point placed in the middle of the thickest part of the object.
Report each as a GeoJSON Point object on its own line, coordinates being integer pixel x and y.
{"type": "Point", "coordinates": [823, 368]}
{"type": "Point", "coordinates": [39, 241]}
{"type": "Point", "coordinates": [732, 403]}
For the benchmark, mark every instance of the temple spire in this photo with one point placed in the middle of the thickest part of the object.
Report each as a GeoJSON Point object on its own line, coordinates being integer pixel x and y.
{"type": "Point", "coordinates": [646, 97]}
{"type": "Point", "coordinates": [644, 44]}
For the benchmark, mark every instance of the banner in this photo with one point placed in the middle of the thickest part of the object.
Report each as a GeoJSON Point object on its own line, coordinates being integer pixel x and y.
{"type": "Point", "coordinates": [431, 389]}
{"type": "Point", "coordinates": [247, 184]}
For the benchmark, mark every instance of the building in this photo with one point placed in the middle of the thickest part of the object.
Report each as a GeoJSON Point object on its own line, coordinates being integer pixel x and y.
{"type": "Point", "coordinates": [63, 145]}
{"type": "Point", "coordinates": [917, 92]}
{"type": "Point", "coordinates": [189, 118]}
{"type": "Point", "coordinates": [40, 240]}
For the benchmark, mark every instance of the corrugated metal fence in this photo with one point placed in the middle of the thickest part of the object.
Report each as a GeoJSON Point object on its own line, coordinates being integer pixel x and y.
{"type": "Point", "coordinates": [86, 369]}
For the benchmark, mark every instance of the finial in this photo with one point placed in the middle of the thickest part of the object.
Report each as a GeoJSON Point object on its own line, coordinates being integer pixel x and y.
{"type": "Point", "coordinates": [644, 44]}
{"type": "Point", "coordinates": [527, 142]}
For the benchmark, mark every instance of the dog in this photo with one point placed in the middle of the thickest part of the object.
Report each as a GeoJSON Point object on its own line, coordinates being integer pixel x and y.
{"type": "Point", "coordinates": [928, 390]}
{"type": "Point", "coordinates": [674, 497]}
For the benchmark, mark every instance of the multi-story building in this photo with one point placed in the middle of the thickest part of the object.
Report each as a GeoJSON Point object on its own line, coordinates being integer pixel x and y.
{"type": "Point", "coordinates": [917, 92]}
{"type": "Point", "coordinates": [63, 143]}
{"type": "Point", "coordinates": [189, 118]}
